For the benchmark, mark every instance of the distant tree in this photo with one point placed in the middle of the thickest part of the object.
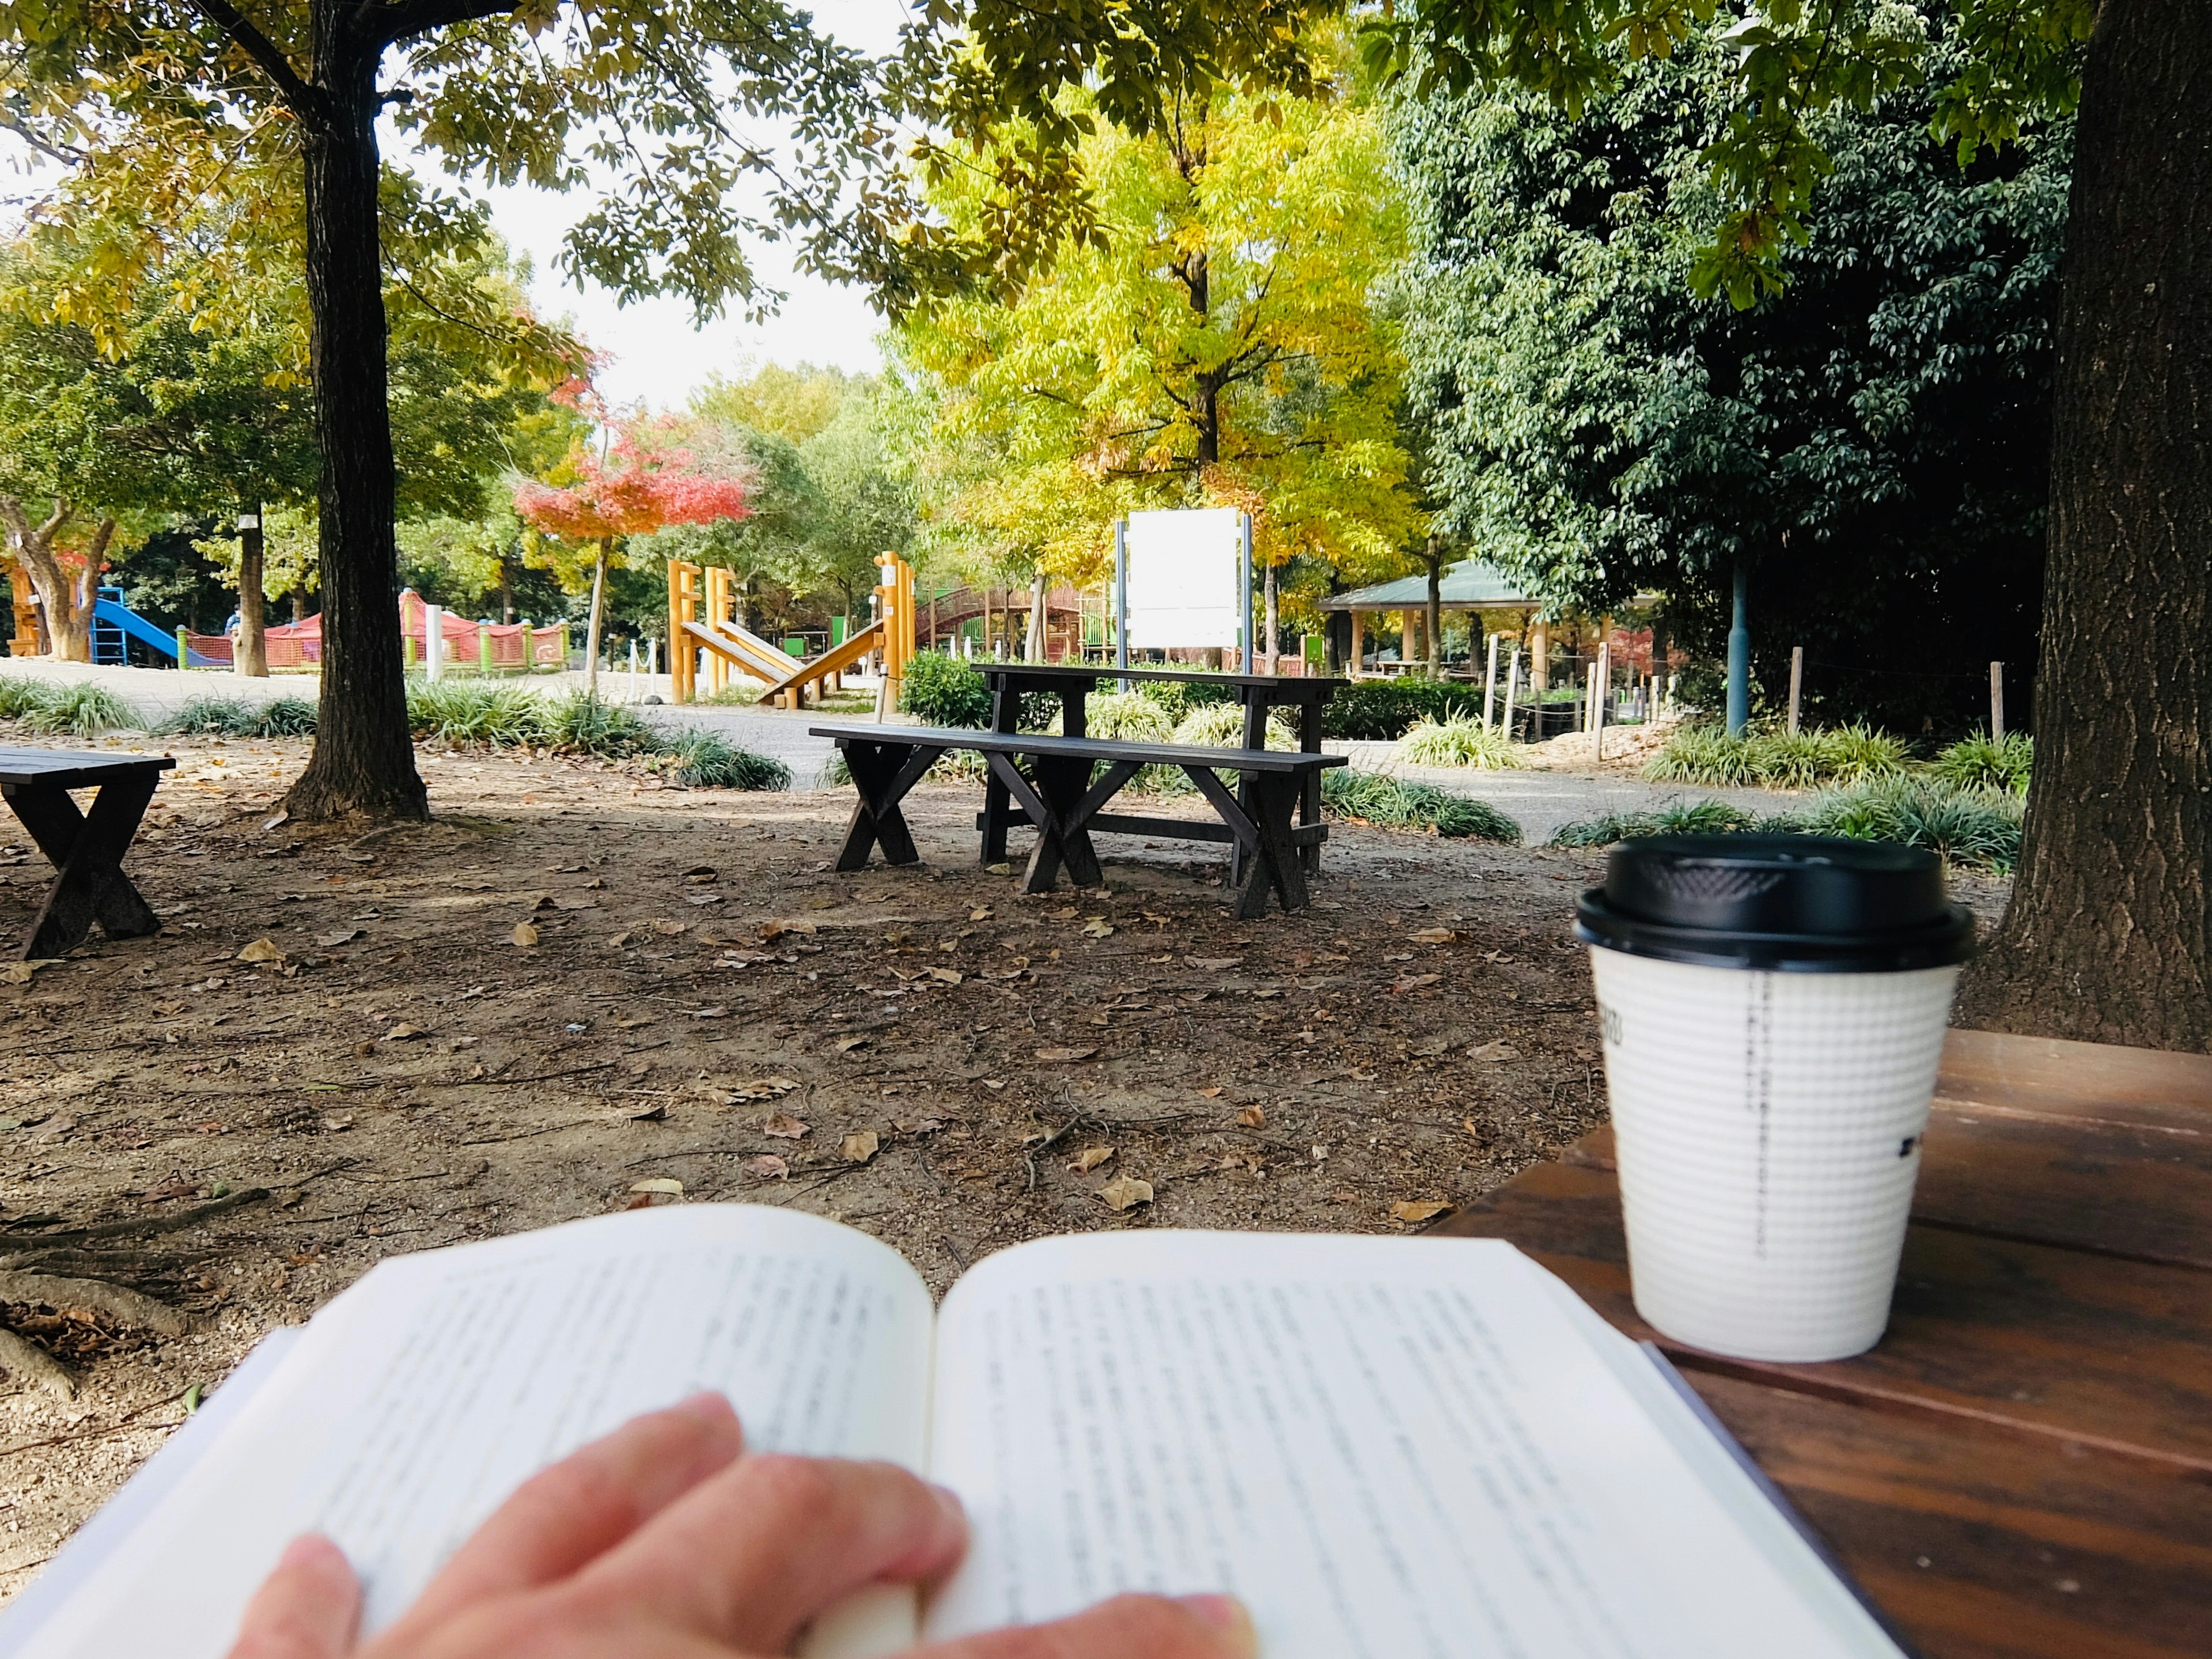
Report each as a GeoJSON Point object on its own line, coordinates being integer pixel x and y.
{"type": "Point", "coordinates": [1213, 343]}
{"type": "Point", "coordinates": [1870, 442]}
{"type": "Point", "coordinates": [639, 485]}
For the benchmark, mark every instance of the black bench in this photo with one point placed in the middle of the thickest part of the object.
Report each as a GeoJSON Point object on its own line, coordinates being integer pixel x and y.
{"type": "Point", "coordinates": [86, 849]}
{"type": "Point", "coordinates": [1073, 683]}
{"type": "Point", "coordinates": [1059, 795]}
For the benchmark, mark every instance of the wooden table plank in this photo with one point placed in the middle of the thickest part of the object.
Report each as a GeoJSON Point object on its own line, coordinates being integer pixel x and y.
{"type": "Point", "coordinates": [1983, 1545]}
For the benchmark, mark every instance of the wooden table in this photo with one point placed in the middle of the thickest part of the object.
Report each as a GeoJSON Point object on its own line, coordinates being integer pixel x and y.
{"type": "Point", "coordinates": [85, 848]}
{"type": "Point", "coordinates": [1072, 683]}
{"type": "Point", "coordinates": [2024, 1466]}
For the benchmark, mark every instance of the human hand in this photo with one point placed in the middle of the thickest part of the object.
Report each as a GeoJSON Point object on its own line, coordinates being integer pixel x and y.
{"type": "Point", "coordinates": [666, 1540]}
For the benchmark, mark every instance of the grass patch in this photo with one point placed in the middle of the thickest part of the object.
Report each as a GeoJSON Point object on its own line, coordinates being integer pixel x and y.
{"type": "Point", "coordinates": [1780, 760]}
{"type": "Point", "coordinates": [1988, 763]}
{"type": "Point", "coordinates": [1398, 805]}
{"type": "Point", "coordinates": [1972, 828]}
{"type": "Point", "coordinates": [83, 710]}
{"type": "Point", "coordinates": [227, 717]}
{"type": "Point", "coordinates": [704, 761]}
{"type": "Point", "coordinates": [1463, 741]}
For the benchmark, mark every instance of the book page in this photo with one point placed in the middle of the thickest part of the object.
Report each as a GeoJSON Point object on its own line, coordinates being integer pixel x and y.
{"type": "Point", "coordinates": [423, 1395]}
{"type": "Point", "coordinates": [1386, 1447]}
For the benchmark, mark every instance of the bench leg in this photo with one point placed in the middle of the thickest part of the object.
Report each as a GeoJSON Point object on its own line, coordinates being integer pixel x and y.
{"type": "Point", "coordinates": [87, 853]}
{"type": "Point", "coordinates": [882, 773]}
{"type": "Point", "coordinates": [1267, 861]}
{"type": "Point", "coordinates": [1064, 783]}
{"type": "Point", "coordinates": [1276, 797]}
{"type": "Point", "coordinates": [1309, 791]}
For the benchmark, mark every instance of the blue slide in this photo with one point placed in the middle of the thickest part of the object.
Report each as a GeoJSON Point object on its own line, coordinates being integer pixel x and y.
{"type": "Point", "coordinates": [112, 620]}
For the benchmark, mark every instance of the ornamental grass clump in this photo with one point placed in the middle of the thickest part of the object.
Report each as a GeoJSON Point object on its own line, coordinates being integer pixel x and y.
{"type": "Point", "coordinates": [230, 717]}
{"type": "Point", "coordinates": [471, 712]}
{"type": "Point", "coordinates": [1974, 829]}
{"type": "Point", "coordinates": [1393, 802]}
{"type": "Point", "coordinates": [1702, 754]}
{"type": "Point", "coordinates": [704, 760]}
{"type": "Point", "coordinates": [82, 710]}
{"type": "Point", "coordinates": [1675, 818]}
{"type": "Point", "coordinates": [2004, 763]}
{"type": "Point", "coordinates": [1461, 741]}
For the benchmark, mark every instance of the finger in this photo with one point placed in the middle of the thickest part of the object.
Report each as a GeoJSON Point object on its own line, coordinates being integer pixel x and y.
{"type": "Point", "coordinates": [1190, 1627]}
{"type": "Point", "coordinates": [752, 1556]}
{"type": "Point", "coordinates": [308, 1609]}
{"type": "Point", "coordinates": [583, 1506]}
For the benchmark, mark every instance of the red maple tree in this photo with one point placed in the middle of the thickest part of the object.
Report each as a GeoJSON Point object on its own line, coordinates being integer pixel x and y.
{"type": "Point", "coordinates": [644, 482]}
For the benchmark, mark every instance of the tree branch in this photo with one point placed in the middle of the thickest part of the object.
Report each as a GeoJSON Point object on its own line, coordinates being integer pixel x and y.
{"type": "Point", "coordinates": [387, 24]}
{"type": "Point", "coordinates": [261, 49]}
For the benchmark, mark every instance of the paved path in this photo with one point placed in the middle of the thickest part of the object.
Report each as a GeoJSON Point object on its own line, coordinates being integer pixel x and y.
{"type": "Point", "coordinates": [1539, 801]}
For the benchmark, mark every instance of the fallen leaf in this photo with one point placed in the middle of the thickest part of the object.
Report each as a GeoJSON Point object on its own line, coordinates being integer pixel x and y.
{"type": "Point", "coordinates": [1057, 1056]}
{"type": "Point", "coordinates": [991, 1083]}
{"type": "Point", "coordinates": [19, 973]}
{"type": "Point", "coordinates": [1214, 1093]}
{"type": "Point", "coordinates": [336, 1126]}
{"type": "Point", "coordinates": [630, 1023]}
{"type": "Point", "coordinates": [656, 1113]}
{"type": "Point", "coordinates": [847, 1044]}
{"type": "Point", "coordinates": [662, 925]}
{"type": "Point", "coordinates": [948, 975]}
{"type": "Point", "coordinates": [667, 1184]}
{"type": "Point", "coordinates": [1090, 1158]}
{"type": "Point", "coordinates": [1437, 935]}
{"type": "Point", "coordinates": [1499, 1050]}
{"type": "Point", "coordinates": [716, 1012]}
{"type": "Point", "coordinates": [524, 933]}
{"type": "Point", "coordinates": [1252, 1117]}
{"type": "Point", "coordinates": [998, 869]}
{"type": "Point", "coordinates": [1413, 1211]}
{"type": "Point", "coordinates": [981, 913]}
{"type": "Point", "coordinates": [784, 1126]}
{"type": "Point", "coordinates": [701, 873]}
{"type": "Point", "coordinates": [1097, 927]}
{"type": "Point", "coordinates": [859, 1146]}
{"type": "Point", "coordinates": [621, 939]}
{"type": "Point", "coordinates": [920, 1125]}
{"type": "Point", "coordinates": [1214, 964]}
{"type": "Point", "coordinates": [1414, 982]}
{"type": "Point", "coordinates": [402, 1032]}
{"type": "Point", "coordinates": [343, 936]}
{"type": "Point", "coordinates": [262, 950]}
{"type": "Point", "coordinates": [766, 1166]}
{"type": "Point", "coordinates": [1125, 1192]}
{"type": "Point", "coordinates": [702, 898]}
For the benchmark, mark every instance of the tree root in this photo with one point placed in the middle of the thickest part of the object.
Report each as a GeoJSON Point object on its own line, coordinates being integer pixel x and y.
{"type": "Point", "coordinates": [128, 1308]}
{"type": "Point", "coordinates": [33, 1365]}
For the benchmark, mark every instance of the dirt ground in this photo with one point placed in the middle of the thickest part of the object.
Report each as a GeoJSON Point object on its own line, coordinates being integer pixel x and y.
{"type": "Point", "coordinates": [576, 979]}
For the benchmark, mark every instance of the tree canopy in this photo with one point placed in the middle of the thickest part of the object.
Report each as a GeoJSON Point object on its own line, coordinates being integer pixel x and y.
{"type": "Point", "coordinates": [1871, 439]}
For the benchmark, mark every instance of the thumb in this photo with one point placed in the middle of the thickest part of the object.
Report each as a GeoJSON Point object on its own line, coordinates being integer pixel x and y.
{"type": "Point", "coordinates": [1187, 1627]}
{"type": "Point", "coordinates": [308, 1609]}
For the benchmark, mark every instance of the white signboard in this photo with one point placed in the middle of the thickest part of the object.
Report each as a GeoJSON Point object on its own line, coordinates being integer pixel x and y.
{"type": "Point", "coordinates": [1184, 587]}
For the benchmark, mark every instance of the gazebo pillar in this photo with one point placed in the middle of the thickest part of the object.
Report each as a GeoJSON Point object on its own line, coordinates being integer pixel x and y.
{"type": "Point", "coordinates": [1540, 654]}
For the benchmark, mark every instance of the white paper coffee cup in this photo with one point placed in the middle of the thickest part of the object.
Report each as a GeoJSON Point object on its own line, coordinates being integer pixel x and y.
{"type": "Point", "coordinates": [1770, 1058]}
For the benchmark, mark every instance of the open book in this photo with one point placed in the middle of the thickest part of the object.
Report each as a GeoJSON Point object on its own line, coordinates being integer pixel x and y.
{"type": "Point", "coordinates": [1385, 1446]}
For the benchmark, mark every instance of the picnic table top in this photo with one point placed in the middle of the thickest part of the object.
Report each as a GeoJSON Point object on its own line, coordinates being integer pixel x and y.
{"type": "Point", "coordinates": [2023, 1466]}
{"type": "Point", "coordinates": [1030, 743]}
{"type": "Point", "coordinates": [1063, 671]}
{"type": "Point", "coordinates": [72, 769]}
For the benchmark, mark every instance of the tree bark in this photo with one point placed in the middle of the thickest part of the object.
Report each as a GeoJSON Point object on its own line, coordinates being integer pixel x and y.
{"type": "Point", "coordinates": [1433, 623]}
{"type": "Point", "coordinates": [364, 759]}
{"type": "Point", "coordinates": [249, 654]}
{"type": "Point", "coordinates": [66, 596]}
{"type": "Point", "coordinates": [2106, 935]}
{"type": "Point", "coordinates": [598, 609]}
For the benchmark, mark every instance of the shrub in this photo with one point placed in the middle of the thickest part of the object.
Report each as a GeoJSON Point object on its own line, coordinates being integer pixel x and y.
{"type": "Point", "coordinates": [469, 711]}
{"type": "Point", "coordinates": [1675, 818]}
{"type": "Point", "coordinates": [1783, 760]}
{"type": "Point", "coordinates": [1987, 764]}
{"type": "Point", "coordinates": [705, 761]}
{"type": "Point", "coordinates": [1221, 726]}
{"type": "Point", "coordinates": [1378, 710]}
{"type": "Point", "coordinates": [1345, 793]}
{"type": "Point", "coordinates": [584, 723]}
{"type": "Point", "coordinates": [943, 690]}
{"type": "Point", "coordinates": [19, 697]}
{"type": "Point", "coordinates": [1702, 754]}
{"type": "Point", "coordinates": [228, 717]}
{"type": "Point", "coordinates": [1977, 829]}
{"type": "Point", "coordinates": [1858, 754]}
{"type": "Point", "coordinates": [1126, 717]}
{"type": "Point", "coordinates": [1462, 741]}
{"type": "Point", "coordinates": [83, 710]}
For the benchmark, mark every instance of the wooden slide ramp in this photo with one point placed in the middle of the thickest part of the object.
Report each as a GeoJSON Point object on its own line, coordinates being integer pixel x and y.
{"type": "Point", "coordinates": [784, 677]}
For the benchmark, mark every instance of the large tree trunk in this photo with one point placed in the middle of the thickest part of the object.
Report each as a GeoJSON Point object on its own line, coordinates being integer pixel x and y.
{"type": "Point", "coordinates": [249, 654]}
{"type": "Point", "coordinates": [66, 592]}
{"type": "Point", "coordinates": [364, 759]}
{"type": "Point", "coordinates": [2106, 935]}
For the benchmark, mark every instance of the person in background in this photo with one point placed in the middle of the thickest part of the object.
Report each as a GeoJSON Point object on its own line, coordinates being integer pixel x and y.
{"type": "Point", "coordinates": [666, 1540]}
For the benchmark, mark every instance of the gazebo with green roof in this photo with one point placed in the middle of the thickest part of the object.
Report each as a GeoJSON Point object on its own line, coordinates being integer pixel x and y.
{"type": "Point", "coordinates": [1470, 585]}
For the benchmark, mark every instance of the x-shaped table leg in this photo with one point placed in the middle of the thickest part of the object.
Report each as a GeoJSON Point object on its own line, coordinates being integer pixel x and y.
{"type": "Point", "coordinates": [86, 850]}
{"type": "Point", "coordinates": [1060, 802]}
{"type": "Point", "coordinates": [1267, 860]}
{"type": "Point", "coordinates": [882, 775]}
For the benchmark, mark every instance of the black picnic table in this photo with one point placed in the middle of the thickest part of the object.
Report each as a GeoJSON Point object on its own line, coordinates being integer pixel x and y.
{"type": "Point", "coordinates": [1072, 683]}
{"type": "Point", "coordinates": [1062, 794]}
{"type": "Point", "coordinates": [85, 848]}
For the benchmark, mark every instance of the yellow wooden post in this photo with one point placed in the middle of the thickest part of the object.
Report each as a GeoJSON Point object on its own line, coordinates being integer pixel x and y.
{"type": "Point", "coordinates": [683, 652]}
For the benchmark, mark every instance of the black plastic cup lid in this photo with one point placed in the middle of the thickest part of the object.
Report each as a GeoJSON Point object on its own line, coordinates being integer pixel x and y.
{"type": "Point", "coordinates": [1792, 903]}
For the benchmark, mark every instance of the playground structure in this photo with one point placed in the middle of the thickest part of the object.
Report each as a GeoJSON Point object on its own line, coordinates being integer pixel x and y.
{"type": "Point", "coordinates": [705, 636]}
